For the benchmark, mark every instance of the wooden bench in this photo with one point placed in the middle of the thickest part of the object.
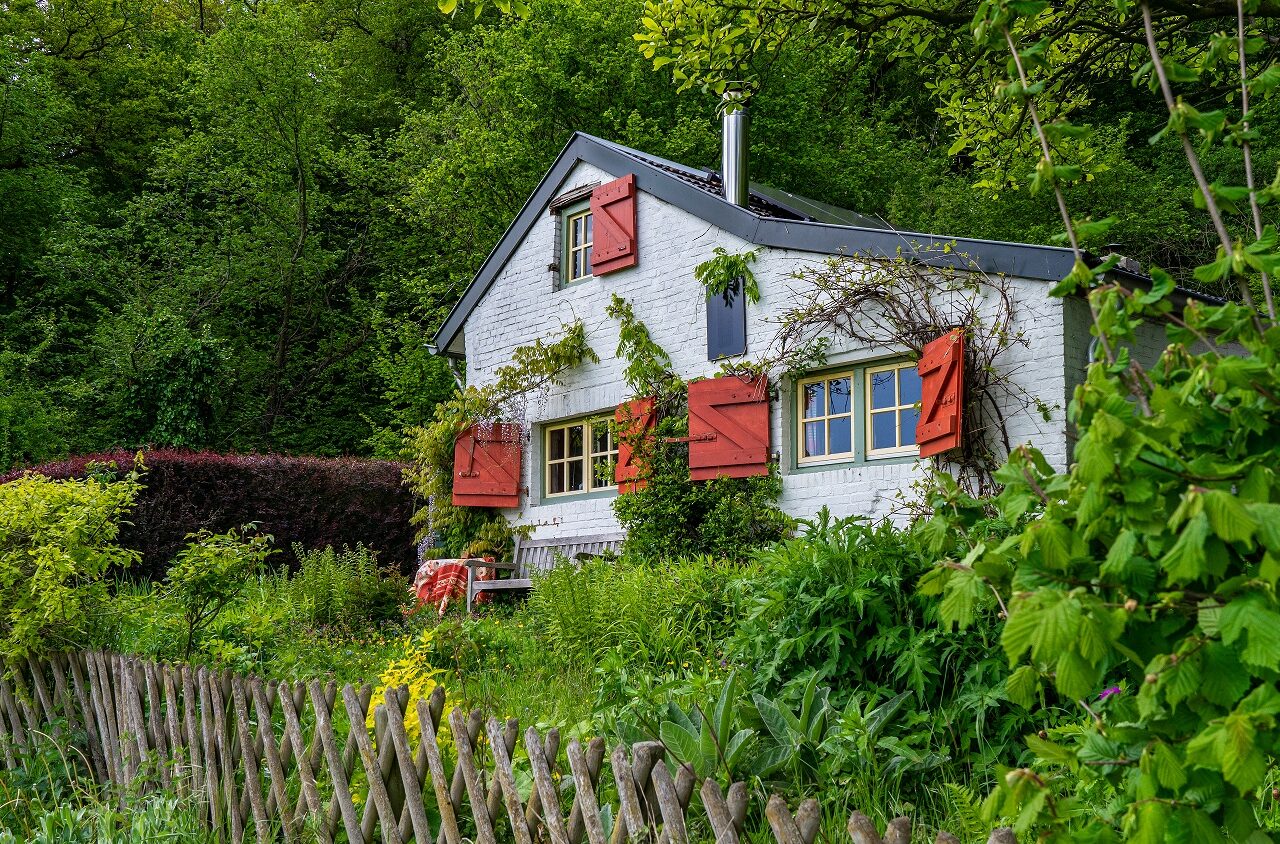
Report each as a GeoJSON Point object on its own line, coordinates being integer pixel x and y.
{"type": "Point", "coordinates": [532, 555]}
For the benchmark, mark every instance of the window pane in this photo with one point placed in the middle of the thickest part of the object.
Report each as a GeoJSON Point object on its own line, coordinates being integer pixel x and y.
{"type": "Point", "coordinates": [577, 271]}
{"type": "Point", "coordinates": [575, 440]}
{"type": "Point", "coordinates": [814, 441]}
{"type": "Point", "coordinates": [908, 385]}
{"type": "Point", "coordinates": [839, 395]}
{"type": "Point", "coordinates": [814, 399]}
{"type": "Point", "coordinates": [586, 261]}
{"type": "Point", "coordinates": [555, 478]}
{"type": "Point", "coordinates": [600, 474]}
{"type": "Point", "coordinates": [599, 437]}
{"type": "Point", "coordinates": [587, 219]}
{"type": "Point", "coordinates": [575, 475]}
{"type": "Point", "coordinates": [907, 422]}
{"type": "Point", "coordinates": [840, 434]}
{"type": "Point", "coordinates": [882, 393]}
{"type": "Point", "coordinates": [556, 450]}
{"type": "Point", "coordinates": [575, 227]}
{"type": "Point", "coordinates": [884, 430]}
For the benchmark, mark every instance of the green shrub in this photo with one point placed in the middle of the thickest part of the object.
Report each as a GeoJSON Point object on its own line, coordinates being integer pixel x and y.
{"type": "Point", "coordinates": [56, 544]}
{"type": "Point", "coordinates": [839, 604]}
{"type": "Point", "coordinates": [673, 516]}
{"type": "Point", "coordinates": [49, 798]}
{"type": "Point", "coordinates": [655, 613]}
{"type": "Point", "coordinates": [211, 572]}
{"type": "Point", "coordinates": [343, 589]}
{"type": "Point", "coordinates": [1145, 587]}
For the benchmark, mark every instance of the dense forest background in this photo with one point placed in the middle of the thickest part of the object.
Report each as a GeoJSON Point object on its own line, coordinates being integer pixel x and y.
{"type": "Point", "coordinates": [236, 225]}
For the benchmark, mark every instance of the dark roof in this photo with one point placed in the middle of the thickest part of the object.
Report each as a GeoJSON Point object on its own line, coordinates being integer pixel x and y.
{"type": "Point", "coordinates": [773, 218]}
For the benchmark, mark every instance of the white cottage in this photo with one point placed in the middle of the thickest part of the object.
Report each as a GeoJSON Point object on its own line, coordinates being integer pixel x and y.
{"type": "Point", "coordinates": [607, 219]}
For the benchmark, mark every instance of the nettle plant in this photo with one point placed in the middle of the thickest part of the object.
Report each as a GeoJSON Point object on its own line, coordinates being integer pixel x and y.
{"type": "Point", "coordinates": [1141, 583]}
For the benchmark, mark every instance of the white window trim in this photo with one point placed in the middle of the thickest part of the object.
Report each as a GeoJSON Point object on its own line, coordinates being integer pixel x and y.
{"type": "Point", "coordinates": [897, 451]}
{"type": "Point", "coordinates": [825, 418]}
{"type": "Point", "coordinates": [591, 483]}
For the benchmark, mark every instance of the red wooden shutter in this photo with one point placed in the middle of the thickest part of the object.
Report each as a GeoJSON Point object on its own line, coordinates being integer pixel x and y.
{"type": "Point", "coordinates": [613, 221]}
{"type": "Point", "coordinates": [728, 428]}
{"type": "Point", "coordinates": [633, 419]}
{"type": "Point", "coordinates": [486, 466]}
{"type": "Point", "coordinates": [941, 371]}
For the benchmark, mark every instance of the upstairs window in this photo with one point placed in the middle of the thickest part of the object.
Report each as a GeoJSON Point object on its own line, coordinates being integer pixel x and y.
{"type": "Point", "coordinates": [580, 457]}
{"type": "Point", "coordinates": [577, 237]}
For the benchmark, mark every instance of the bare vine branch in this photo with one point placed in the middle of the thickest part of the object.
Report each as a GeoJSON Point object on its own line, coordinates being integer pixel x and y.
{"type": "Point", "coordinates": [906, 303]}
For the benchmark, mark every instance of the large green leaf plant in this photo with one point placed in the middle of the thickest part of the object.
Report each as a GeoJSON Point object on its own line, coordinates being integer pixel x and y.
{"type": "Point", "coordinates": [1144, 587]}
{"type": "Point", "coordinates": [1141, 582]}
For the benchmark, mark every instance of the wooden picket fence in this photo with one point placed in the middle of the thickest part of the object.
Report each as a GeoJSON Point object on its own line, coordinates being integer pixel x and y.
{"type": "Point", "coordinates": [271, 759]}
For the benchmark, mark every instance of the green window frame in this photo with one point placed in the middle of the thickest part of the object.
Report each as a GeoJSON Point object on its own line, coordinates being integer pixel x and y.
{"type": "Point", "coordinates": [576, 241]}
{"type": "Point", "coordinates": [578, 456]}
{"type": "Point", "coordinates": [849, 414]}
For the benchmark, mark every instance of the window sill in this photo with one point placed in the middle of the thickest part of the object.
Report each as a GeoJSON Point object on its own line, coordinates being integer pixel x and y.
{"type": "Point", "coordinates": [570, 497]}
{"type": "Point", "coordinates": [854, 463]}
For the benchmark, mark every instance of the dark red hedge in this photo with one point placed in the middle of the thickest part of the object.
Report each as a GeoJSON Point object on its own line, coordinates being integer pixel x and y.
{"type": "Point", "coordinates": [314, 501]}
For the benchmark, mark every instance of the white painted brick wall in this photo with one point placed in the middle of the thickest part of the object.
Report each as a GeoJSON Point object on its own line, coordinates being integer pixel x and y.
{"type": "Point", "coordinates": [523, 305]}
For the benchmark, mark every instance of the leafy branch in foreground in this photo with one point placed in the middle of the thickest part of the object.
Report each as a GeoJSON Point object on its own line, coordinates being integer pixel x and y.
{"type": "Point", "coordinates": [1150, 567]}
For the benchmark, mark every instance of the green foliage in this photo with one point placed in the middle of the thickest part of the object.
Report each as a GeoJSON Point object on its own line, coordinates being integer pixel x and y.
{"type": "Point", "coordinates": [1150, 566]}
{"type": "Point", "coordinates": [49, 798]}
{"type": "Point", "coordinates": [654, 613]}
{"type": "Point", "coordinates": [533, 368]}
{"type": "Point", "coordinates": [673, 516]}
{"type": "Point", "coordinates": [793, 739]}
{"type": "Point", "coordinates": [835, 607]}
{"type": "Point", "coordinates": [712, 741]}
{"type": "Point", "coordinates": [56, 545]}
{"type": "Point", "coordinates": [211, 572]}
{"type": "Point", "coordinates": [648, 371]}
{"type": "Point", "coordinates": [727, 274]}
{"type": "Point", "coordinates": [344, 589]}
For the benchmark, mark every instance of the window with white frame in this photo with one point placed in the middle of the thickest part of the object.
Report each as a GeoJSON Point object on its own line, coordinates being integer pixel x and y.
{"type": "Point", "coordinates": [826, 417]}
{"type": "Point", "coordinates": [579, 457]}
{"type": "Point", "coordinates": [893, 399]}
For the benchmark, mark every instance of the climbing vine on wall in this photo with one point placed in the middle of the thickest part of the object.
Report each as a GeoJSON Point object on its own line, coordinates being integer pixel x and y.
{"type": "Point", "coordinates": [533, 370]}
{"type": "Point", "coordinates": [668, 514]}
{"type": "Point", "coordinates": [648, 371]}
{"type": "Point", "coordinates": [905, 303]}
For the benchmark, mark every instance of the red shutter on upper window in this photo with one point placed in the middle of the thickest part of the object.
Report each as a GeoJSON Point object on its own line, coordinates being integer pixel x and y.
{"type": "Point", "coordinates": [634, 419]}
{"type": "Point", "coordinates": [486, 466]}
{"type": "Point", "coordinates": [613, 221]}
{"type": "Point", "coordinates": [728, 428]}
{"type": "Point", "coordinates": [941, 371]}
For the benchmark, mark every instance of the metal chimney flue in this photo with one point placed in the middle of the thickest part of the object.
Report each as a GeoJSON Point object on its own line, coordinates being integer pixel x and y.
{"type": "Point", "coordinates": [734, 146]}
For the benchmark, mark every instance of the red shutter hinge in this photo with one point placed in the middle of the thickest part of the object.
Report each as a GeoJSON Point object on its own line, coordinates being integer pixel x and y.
{"type": "Point", "coordinates": [697, 438]}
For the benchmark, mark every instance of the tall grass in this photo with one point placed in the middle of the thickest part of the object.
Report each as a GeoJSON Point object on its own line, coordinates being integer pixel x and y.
{"type": "Point", "coordinates": [340, 588]}
{"type": "Point", "coordinates": [50, 798]}
{"type": "Point", "coordinates": [656, 613]}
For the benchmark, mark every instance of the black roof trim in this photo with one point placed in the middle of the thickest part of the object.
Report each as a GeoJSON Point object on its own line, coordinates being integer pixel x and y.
{"type": "Point", "coordinates": [672, 183]}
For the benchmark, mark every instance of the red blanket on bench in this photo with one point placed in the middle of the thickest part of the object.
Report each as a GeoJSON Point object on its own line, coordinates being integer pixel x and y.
{"type": "Point", "coordinates": [440, 581]}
